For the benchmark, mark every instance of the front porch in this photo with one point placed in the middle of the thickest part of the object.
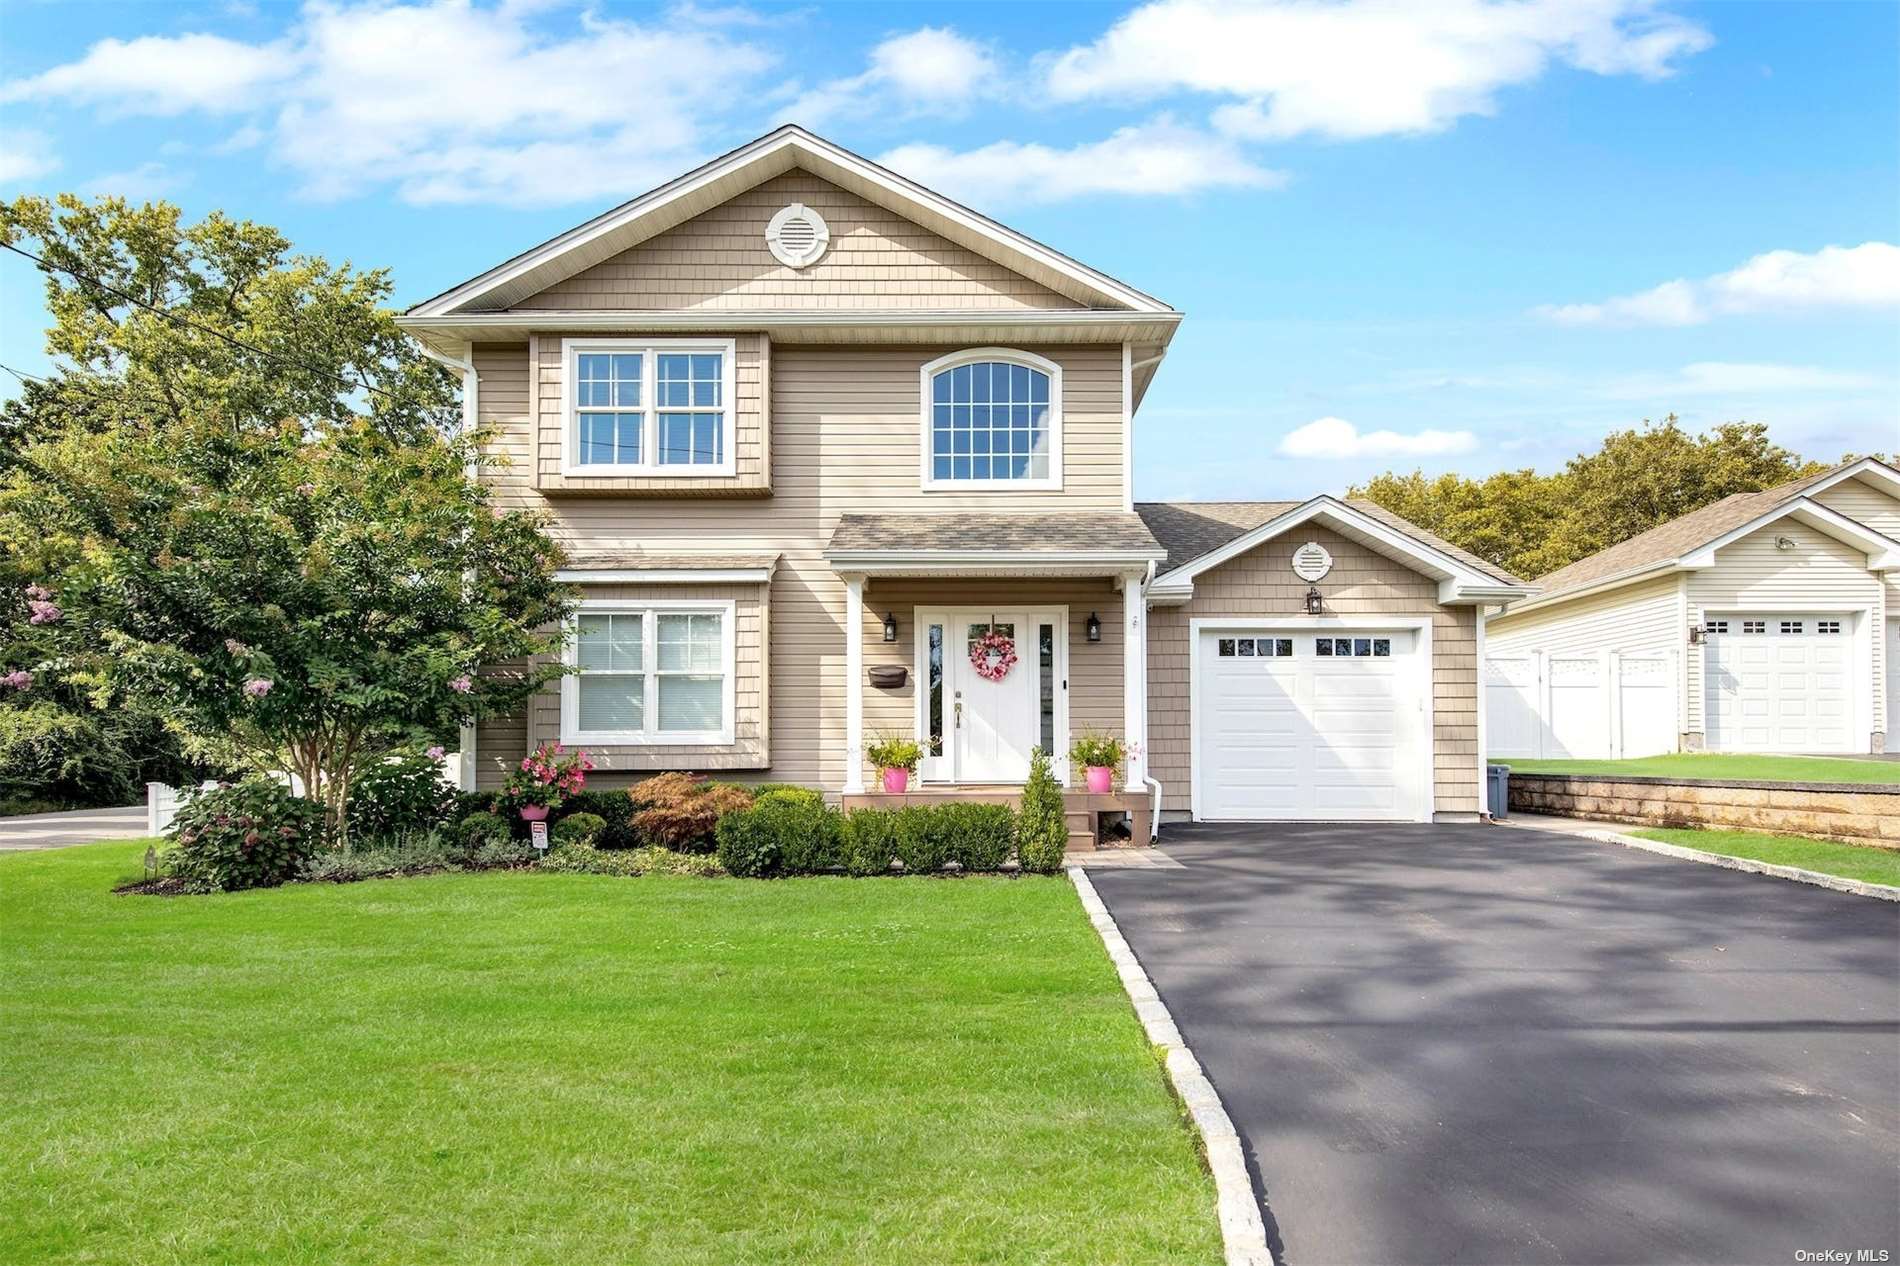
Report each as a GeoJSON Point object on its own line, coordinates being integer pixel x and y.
{"type": "Point", "coordinates": [1082, 810]}
{"type": "Point", "coordinates": [985, 637]}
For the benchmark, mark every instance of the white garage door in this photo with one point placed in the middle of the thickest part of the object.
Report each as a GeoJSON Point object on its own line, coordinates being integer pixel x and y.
{"type": "Point", "coordinates": [1304, 726]}
{"type": "Point", "coordinates": [1779, 682]}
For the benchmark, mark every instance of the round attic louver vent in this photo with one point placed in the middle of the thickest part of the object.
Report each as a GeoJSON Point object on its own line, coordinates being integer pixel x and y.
{"type": "Point", "coordinates": [797, 235]}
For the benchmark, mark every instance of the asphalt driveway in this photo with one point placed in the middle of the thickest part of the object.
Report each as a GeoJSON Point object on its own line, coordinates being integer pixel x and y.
{"type": "Point", "coordinates": [1484, 1044]}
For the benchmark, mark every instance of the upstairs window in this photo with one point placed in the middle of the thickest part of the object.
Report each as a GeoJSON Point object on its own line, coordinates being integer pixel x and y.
{"type": "Point", "coordinates": [992, 419]}
{"type": "Point", "coordinates": [653, 407]}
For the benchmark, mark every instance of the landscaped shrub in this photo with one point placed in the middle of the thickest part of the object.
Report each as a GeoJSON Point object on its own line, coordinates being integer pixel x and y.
{"type": "Point", "coordinates": [748, 844]}
{"type": "Point", "coordinates": [680, 811]}
{"type": "Point", "coordinates": [1042, 834]}
{"type": "Point", "coordinates": [807, 833]}
{"type": "Point", "coordinates": [467, 802]}
{"type": "Point", "coordinates": [980, 835]}
{"type": "Point", "coordinates": [399, 796]}
{"type": "Point", "coordinates": [415, 855]}
{"type": "Point", "coordinates": [252, 834]}
{"type": "Point", "coordinates": [868, 841]}
{"type": "Point", "coordinates": [789, 795]}
{"type": "Point", "coordinates": [481, 828]}
{"type": "Point", "coordinates": [612, 806]}
{"type": "Point", "coordinates": [578, 828]}
{"type": "Point", "coordinates": [923, 843]}
{"type": "Point", "coordinates": [578, 859]}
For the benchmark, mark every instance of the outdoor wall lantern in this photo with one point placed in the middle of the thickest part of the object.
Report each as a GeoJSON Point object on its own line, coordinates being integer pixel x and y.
{"type": "Point", "coordinates": [1095, 627]}
{"type": "Point", "coordinates": [1313, 604]}
{"type": "Point", "coordinates": [890, 626]}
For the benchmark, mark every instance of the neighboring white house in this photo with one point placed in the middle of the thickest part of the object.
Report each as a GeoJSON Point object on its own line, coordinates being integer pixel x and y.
{"type": "Point", "coordinates": [1767, 622]}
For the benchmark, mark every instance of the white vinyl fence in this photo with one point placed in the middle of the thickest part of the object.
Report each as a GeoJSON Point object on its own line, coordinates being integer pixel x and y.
{"type": "Point", "coordinates": [1582, 707]}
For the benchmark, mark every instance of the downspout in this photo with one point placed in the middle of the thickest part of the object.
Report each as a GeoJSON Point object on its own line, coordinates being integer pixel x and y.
{"type": "Point", "coordinates": [1147, 778]}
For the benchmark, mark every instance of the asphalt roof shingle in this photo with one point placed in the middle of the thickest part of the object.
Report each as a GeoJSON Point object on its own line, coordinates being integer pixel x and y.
{"type": "Point", "coordinates": [1067, 531]}
{"type": "Point", "coordinates": [1190, 529]}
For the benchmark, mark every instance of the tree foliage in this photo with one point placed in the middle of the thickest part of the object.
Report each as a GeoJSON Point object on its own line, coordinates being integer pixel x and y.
{"type": "Point", "coordinates": [1532, 524]}
{"type": "Point", "coordinates": [268, 537]}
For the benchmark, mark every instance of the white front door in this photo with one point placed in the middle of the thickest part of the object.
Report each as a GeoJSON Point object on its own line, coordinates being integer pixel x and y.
{"type": "Point", "coordinates": [1311, 725]}
{"type": "Point", "coordinates": [989, 721]}
{"type": "Point", "coordinates": [1778, 682]}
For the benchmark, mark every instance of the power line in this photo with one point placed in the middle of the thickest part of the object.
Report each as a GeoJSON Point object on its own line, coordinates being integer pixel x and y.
{"type": "Point", "coordinates": [188, 323]}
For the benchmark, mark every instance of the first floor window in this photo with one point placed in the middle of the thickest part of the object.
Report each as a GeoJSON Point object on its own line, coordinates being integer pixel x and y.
{"type": "Point", "coordinates": [655, 407]}
{"type": "Point", "coordinates": [649, 675]}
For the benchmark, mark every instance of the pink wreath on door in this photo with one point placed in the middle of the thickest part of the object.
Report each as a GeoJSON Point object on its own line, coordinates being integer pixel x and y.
{"type": "Point", "coordinates": [993, 655]}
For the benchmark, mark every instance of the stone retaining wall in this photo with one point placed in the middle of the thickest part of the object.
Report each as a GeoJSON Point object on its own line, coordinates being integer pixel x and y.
{"type": "Point", "coordinates": [1857, 813]}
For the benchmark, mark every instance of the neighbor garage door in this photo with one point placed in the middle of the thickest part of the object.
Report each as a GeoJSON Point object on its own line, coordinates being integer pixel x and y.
{"type": "Point", "coordinates": [1779, 682]}
{"type": "Point", "coordinates": [1298, 725]}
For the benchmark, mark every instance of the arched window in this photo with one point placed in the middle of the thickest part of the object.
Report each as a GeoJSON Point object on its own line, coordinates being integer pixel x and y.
{"type": "Point", "coordinates": [992, 418]}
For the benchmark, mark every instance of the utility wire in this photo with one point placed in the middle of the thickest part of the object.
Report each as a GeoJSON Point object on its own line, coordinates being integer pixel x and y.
{"type": "Point", "coordinates": [188, 323]}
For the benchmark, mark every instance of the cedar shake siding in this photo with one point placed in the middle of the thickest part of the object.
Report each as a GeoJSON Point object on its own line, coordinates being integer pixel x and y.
{"type": "Point", "coordinates": [720, 260]}
{"type": "Point", "coordinates": [1261, 583]}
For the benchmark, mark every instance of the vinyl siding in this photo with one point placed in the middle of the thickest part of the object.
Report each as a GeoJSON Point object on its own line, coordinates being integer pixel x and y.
{"type": "Point", "coordinates": [1864, 504]}
{"type": "Point", "coordinates": [845, 436]}
{"type": "Point", "coordinates": [1819, 574]}
{"type": "Point", "coordinates": [1362, 582]}
{"type": "Point", "coordinates": [1638, 619]}
{"type": "Point", "coordinates": [719, 260]}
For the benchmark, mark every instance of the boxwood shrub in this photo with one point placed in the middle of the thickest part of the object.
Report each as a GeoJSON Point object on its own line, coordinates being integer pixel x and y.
{"type": "Point", "coordinates": [868, 841]}
{"type": "Point", "coordinates": [578, 828]}
{"type": "Point", "coordinates": [807, 830]}
{"type": "Point", "coordinates": [923, 843]}
{"type": "Point", "coordinates": [978, 836]}
{"type": "Point", "coordinates": [747, 844]}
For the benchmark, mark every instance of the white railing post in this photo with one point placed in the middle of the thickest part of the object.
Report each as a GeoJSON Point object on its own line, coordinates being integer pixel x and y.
{"type": "Point", "coordinates": [1135, 680]}
{"type": "Point", "coordinates": [854, 684]}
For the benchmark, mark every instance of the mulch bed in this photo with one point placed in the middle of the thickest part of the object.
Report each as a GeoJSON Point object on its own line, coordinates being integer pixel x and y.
{"type": "Point", "coordinates": [163, 886]}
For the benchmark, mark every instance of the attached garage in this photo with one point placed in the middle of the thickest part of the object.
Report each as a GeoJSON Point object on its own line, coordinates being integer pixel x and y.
{"type": "Point", "coordinates": [1316, 723]}
{"type": "Point", "coordinates": [1779, 681]}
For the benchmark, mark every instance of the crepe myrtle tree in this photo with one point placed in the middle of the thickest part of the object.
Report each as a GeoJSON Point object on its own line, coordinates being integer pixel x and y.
{"type": "Point", "coordinates": [240, 501]}
{"type": "Point", "coordinates": [320, 596]}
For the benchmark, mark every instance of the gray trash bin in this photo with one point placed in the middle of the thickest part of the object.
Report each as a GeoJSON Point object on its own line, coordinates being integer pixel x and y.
{"type": "Point", "coordinates": [1497, 779]}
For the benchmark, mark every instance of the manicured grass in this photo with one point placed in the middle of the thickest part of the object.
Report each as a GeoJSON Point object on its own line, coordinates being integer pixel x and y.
{"type": "Point", "coordinates": [1722, 765]}
{"type": "Point", "coordinates": [1849, 861]}
{"type": "Point", "coordinates": [522, 1068]}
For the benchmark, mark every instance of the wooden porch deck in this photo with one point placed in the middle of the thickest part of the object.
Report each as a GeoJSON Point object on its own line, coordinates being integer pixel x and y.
{"type": "Point", "coordinates": [1081, 809]}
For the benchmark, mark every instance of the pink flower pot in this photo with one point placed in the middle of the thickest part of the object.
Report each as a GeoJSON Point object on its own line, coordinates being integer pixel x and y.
{"type": "Point", "coordinates": [1101, 778]}
{"type": "Point", "coordinates": [896, 781]}
{"type": "Point", "coordinates": [534, 813]}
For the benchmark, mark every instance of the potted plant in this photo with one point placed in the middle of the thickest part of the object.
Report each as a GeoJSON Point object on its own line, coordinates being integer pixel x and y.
{"type": "Point", "coordinates": [1101, 755]}
{"type": "Point", "coordinates": [546, 778]}
{"type": "Point", "coordinates": [896, 760]}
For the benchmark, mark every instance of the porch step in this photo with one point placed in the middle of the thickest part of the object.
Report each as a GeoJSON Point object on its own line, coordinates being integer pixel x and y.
{"type": "Point", "coordinates": [1081, 824]}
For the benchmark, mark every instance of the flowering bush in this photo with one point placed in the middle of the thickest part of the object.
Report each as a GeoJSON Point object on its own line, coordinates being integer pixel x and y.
{"type": "Point", "coordinates": [252, 834]}
{"type": "Point", "coordinates": [547, 776]}
{"type": "Point", "coordinates": [402, 795]}
{"type": "Point", "coordinates": [1094, 748]}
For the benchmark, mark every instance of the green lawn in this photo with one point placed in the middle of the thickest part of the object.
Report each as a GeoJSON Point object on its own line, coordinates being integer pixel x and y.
{"type": "Point", "coordinates": [1849, 861]}
{"type": "Point", "coordinates": [518, 1068]}
{"type": "Point", "coordinates": [1722, 765]}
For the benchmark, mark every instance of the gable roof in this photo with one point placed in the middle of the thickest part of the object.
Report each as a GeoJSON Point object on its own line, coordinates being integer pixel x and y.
{"type": "Point", "coordinates": [1189, 530]}
{"type": "Point", "coordinates": [778, 151]}
{"type": "Point", "coordinates": [1672, 542]}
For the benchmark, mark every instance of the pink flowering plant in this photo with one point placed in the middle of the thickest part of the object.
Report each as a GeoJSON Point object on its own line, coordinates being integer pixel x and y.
{"type": "Point", "coordinates": [546, 777]}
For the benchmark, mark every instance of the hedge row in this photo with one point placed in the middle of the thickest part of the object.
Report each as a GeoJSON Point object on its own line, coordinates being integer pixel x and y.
{"type": "Point", "coordinates": [787, 837]}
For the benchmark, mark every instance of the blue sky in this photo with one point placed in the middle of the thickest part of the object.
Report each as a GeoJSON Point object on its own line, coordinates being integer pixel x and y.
{"type": "Point", "coordinates": [1462, 236]}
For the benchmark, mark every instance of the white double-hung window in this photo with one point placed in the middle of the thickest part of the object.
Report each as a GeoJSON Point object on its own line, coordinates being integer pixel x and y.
{"type": "Point", "coordinates": [992, 419]}
{"type": "Point", "coordinates": [650, 673]}
{"type": "Point", "coordinates": [650, 407]}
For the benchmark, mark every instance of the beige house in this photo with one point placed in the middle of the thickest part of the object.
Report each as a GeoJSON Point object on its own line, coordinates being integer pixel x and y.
{"type": "Point", "coordinates": [1767, 622]}
{"type": "Point", "coordinates": [834, 456]}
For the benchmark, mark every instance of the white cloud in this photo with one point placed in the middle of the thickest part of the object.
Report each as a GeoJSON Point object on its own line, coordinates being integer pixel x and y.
{"type": "Point", "coordinates": [1154, 158]}
{"type": "Point", "coordinates": [1338, 438]}
{"type": "Point", "coordinates": [162, 75]}
{"type": "Point", "coordinates": [1364, 67]}
{"type": "Point", "coordinates": [1732, 378]}
{"type": "Point", "coordinates": [25, 155]}
{"type": "Point", "coordinates": [931, 70]}
{"type": "Point", "coordinates": [445, 101]}
{"type": "Point", "coordinates": [142, 183]}
{"type": "Point", "coordinates": [1778, 282]}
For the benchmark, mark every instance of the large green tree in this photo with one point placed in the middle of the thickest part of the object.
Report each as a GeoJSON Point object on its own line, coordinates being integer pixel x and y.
{"type": "Point", "coordinates": [1637, 479]}
{"type": "Point", "coordinates": [244, 504]}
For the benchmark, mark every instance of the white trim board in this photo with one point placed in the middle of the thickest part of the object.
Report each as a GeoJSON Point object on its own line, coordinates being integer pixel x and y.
{"type": "Point", "coordinates": [1420, 625]}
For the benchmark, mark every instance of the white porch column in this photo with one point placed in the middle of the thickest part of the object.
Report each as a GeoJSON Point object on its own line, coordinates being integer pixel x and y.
{"type": "Point", "coordinates": [1135, 677]}
{"type": "Point", "coordinates": [854, 684]}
